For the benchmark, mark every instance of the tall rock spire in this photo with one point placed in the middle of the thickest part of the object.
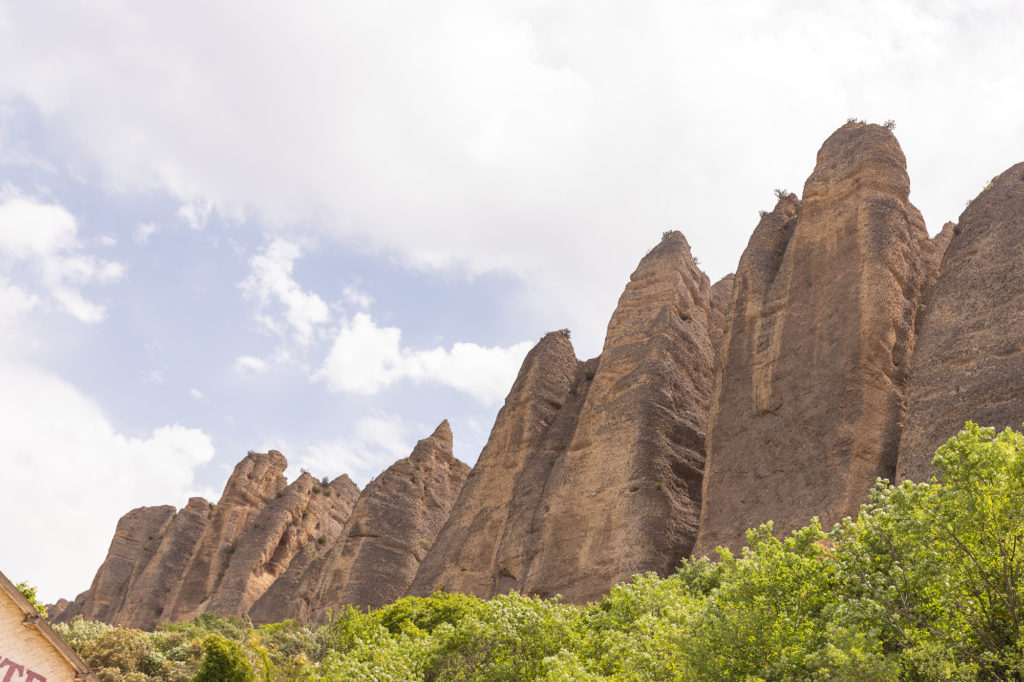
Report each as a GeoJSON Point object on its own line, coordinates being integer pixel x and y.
{"type": "Point", "coordinates": [625, 497]}
{"type": "Point", "coordinates": [810, 392]}
{"type": "Point", "coordinates": [463, 558]}
{"type": "Point", "coordinates": [969, 360]}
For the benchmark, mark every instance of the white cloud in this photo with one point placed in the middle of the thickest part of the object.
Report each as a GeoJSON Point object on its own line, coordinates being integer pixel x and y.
{"type": "Point", "coordinates": [197, 394]}
{"type": "Point", "coordinates": [270, 281]}
{"type": "Point", "coordinates": [14, 302]}
{"type": "Point", "coordinates": [247, 364]}
{"type": "Point", "coordinates": [549, 140]}
{"type": "Point", "coordinates": [376, 442]}
{"type": "Point", "coordinates": [356, 297]}
{"type": "Point", "coordinates": [31, 229]}
{"type": "Point", "coordinates": [196, 213]}
{"type": "Point", "coordinates": [365, 358]}
{"type": "Point", "coordinates": [143, 231]}
{"type": "Point", "coordinates": [108, 240]}
{"type": "Point", "coordinates": [44, 235]}
{"type": "Point", "coordinates": [73, 475]}
{"type": "Point", "coordinates": [484, 373]}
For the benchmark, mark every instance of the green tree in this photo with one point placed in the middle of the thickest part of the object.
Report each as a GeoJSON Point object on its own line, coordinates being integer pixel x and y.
{"type": "Point", "coordinates": [936, 567]}
{"type": "Point", "coordinates": [224, 660]}
{"type": "Point", "coordinates": [29, 592]}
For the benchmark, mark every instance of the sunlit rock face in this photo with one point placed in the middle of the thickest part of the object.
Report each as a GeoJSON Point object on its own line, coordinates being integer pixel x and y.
{"type": "Point", "coordinates": [392, 525]}
{"type": "Point", "coordinates": [810, 395]}
{"type": "Point", "coordinates": [969, 359]}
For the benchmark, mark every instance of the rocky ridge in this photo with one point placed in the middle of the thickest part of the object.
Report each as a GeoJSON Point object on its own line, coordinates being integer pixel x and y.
{"type": "Point", "coordinates": [391, 527]}
{"type": "Point", "coordinates": [847, 346]}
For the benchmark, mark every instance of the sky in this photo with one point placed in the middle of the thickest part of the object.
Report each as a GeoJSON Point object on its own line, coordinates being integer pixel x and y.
{"type": "Point", "coordinates": [323, 227]}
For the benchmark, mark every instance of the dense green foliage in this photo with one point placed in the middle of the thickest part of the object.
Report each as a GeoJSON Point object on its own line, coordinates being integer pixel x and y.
{"type": "Point", "coordinates": [924, 585]}
{"type": "Point", "coordinates": [29, 592]}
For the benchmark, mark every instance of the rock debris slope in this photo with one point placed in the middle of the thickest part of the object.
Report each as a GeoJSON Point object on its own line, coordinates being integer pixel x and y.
{"type": "Point", "coordinates": [810, 395]}
{"type": "Point", "coordinates": [969, 361]}
{"type": "Point", "coordinates": [392, 525]}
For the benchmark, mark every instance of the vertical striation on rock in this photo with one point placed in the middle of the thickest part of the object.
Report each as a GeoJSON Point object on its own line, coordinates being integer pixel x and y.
{"type": "Point", "coordinates": [392, 525]}
{"type": "Point", "coordinates": [305, 513]}
{"type": "Point", "coordinates": [810, 391]}
{"type": "Point", "coordinates": [625, 497]}
{"type": "Point", "coordinates": [721, 303]}
{"type": "Point", "coordinates": [969, 360]}
{"type": "Point", "coordinates": [255, 481]}
{"type": "Point", "coordinates": [129, 553]}
{"type": "Point", "coordinates": [166, 566]}
{"type": "Point", "coordinates": [277, 602]}
{"type": "Point", "coordinates": [463, 557]}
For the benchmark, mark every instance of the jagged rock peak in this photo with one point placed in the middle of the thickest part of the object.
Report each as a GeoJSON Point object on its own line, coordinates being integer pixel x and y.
{"type": "Point", "coordinates": [463, 558]}
{"type": "Point", "coordinates": [259, 476]}
{"type": "Point", "coordinates": [393, 523]}
{"type": "Point", "coordinates": [855, 158]}
{"type": "Point", "coordinates": [624, 498]}
{"type": "Point", "coordinates": [438, 444]}
{"type": "Point", "coordinates": [810, 393]}
{"type": "Point", "coordinates": [969, 360]}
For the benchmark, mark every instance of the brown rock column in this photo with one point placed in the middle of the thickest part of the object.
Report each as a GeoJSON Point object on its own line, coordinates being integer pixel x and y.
{"type": "Point", "coordinates": [969, 360]}
{"type": "Point", "coordinates": [464, 556]}
{"type": "Point", "coordinates": [255, 481]}
{"type": "Point", "coordinates": [392, 525]}
{"type": "Point", "coordinates": [625, 497]}
{"type": "Point", "coordinates": [131, 550]}
{"type": "Point", "coordinates": [306, 513]}
{"type": "Point", "coordinates": [810, 391]}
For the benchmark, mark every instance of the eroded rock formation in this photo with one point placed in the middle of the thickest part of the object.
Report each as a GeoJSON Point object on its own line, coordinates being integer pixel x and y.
{"type": "Point", "coordinates": [167, 566]}
{"type": "Point", "coordinates": [463, 558]}
{"type": "Point", "coordinates": [625, 497]}
{"type": "Point", "coordinates": [592, 472]}
{"type": "Point", "coordinates": [810, 395]}
{"type": "Point", "coordinates": [392, 525]}
{"type": "Point", "coordinates": [969, 359]}
{"type": "Point", "coordinates": [847, 346]}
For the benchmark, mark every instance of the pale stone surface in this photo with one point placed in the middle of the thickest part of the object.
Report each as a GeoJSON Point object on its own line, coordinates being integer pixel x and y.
{"type": "Point", "coordinates": [969, 360]}
{"type": "Point", "coordinates": [810, 395]}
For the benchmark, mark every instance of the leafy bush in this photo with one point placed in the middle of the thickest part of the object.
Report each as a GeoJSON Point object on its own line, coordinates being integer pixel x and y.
{"type": "Point", "coordinates": [925, 584]}
{"type": "Point", "coordinates": [224, 660]}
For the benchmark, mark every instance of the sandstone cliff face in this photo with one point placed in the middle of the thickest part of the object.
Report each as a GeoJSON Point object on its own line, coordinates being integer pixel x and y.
{"type": "Point", "coordinates": [391, 527]}
{"type": "Point", "coordinates": [721, 302]}
{"type": "Point", "coordinates": [969, 360]}
{"type": "Point", "coordinates": [255, 481]}
{"type": "Point", "coordinates": [463, 558]}
{"type": "Point", "coordinates": [129, 553]}
{"type": "Point", "coordinates": [592, 472]}
{"type": "Point", "coordinates": [625, 497]}
{"type": "Point", "coordinates": [219, 558]}
{"type": "Point", "coordinates": [810, 394]}
{"type": "Point", "coordinates": [306, 513]}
